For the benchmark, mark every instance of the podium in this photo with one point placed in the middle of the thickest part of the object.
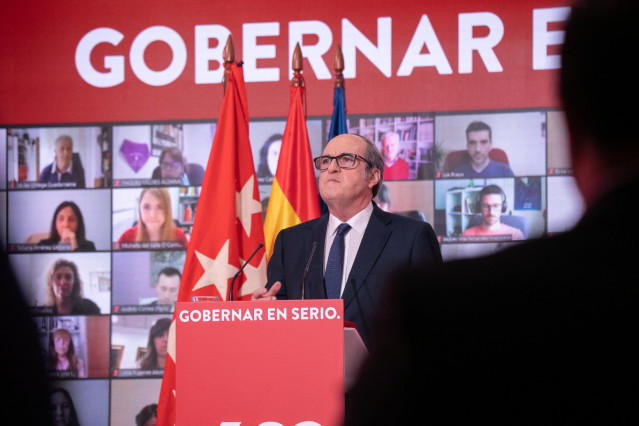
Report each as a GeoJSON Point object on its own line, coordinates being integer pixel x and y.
{"type": "Point", "coordinates": [261, 362]}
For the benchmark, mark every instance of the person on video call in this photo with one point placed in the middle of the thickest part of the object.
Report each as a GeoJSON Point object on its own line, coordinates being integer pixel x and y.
{"type": "Point", "coordinates": [375, 241]}
{"type": "Point", "coordinates": [147, 416]}
{"type": "Point", "coordinates": [167, 286]}
{"type": "Point", "coordinates": [269, 156]}
{"type": "Point", "coordinates": [542, 332]}
{"type": "Point", "coordinates": [64, 291]}
{"type": "Point", "coordinates": [67, 226]}
{"type": "Point", "coordinates": [63, 408]}
{"type": "Point", "coordinates": [62, 355]}
{"type": "Point", "coordinates": [479, 142]}
{"type": "Point", "coordinates": [173, 165]}
{"type": "Point", "coordinates": [63, 170]}
{"type": "Point", "coordinates": [395, 167]}
{"type": "Point", "coordinates": [491, 202]}
{"type": "Point", "coordinates": [156, 220]}
{"type": "Point", "coordinates": [157, 346]}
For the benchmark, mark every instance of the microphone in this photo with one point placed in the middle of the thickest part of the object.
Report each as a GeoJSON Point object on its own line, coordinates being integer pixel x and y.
{"type": "Point", "coordinates": [308, 265]}
{"type": "Point", "coordinates": [237, 274]}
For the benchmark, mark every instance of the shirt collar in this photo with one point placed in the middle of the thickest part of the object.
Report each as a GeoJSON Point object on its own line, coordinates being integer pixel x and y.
{"type": "Point", "coordinates": [359, 222]}
{"type": "Point", "coordinates": [67, 170]}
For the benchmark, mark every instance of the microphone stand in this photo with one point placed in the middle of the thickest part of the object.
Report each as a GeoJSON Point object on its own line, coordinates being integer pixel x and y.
{"type": "Point", "coordinates": [308, 265]}
{"type": "Point", "coordinates": [237, 274]}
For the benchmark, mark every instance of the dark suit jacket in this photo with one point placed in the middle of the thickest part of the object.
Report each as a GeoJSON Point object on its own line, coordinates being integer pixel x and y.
{"type": "Point", "coordinates": [541, 333]}
{"type": "Point", "coordinates": [390, 241]}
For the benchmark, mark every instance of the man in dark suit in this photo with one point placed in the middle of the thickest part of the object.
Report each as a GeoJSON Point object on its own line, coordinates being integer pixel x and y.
{"type": "Point", "coordinates": [167, 287]}
{"type": "Point", "coordinates": [544, 332]}
{"type": "Point", "coordinates": [377, 242]}
{"type": "Point", "coordinates": [64, 169]}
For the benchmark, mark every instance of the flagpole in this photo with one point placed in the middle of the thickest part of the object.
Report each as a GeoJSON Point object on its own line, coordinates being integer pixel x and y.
{"type": "Point", "coordinates": [338, 119]}
{"type": "Point", "coordinates": [338, 65]}
{"type": "Point", "coordinates": [229, 57]}
{"type": "Point", "coordinates": [297, 65]}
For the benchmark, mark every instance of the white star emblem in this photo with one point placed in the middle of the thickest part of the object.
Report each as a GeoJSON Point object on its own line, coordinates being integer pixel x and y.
{"type": "Point", "coordinates": [216, 271]}
{"type": "Point", "coordinates": [255, 277]}
{"type": "Point", "coordinates": [246, 206]}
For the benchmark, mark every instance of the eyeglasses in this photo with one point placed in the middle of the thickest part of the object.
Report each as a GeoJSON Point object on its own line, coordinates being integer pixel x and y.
{"type": "Point", "coordinates": [490, 206]}
{"type": "Point", "coordinates": [344, 161]}
{"type": "Point", "coordinates": [173, 165]}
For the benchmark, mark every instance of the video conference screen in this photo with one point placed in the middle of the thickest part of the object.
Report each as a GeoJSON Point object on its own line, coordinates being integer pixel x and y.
{"type": "Point", "coordinates": [97, 219]}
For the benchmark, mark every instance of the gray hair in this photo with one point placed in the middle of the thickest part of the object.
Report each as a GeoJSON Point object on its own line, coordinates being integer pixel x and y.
{"type": "Point", "coordinates": [62, 138]}
{"type": "Point", "coordinates": [377, 162]}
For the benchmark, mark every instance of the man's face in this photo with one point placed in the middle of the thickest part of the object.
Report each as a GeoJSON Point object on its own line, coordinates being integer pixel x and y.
{"type": "Point", "coordinates": [167, 289]}
{"type": "Point", "coordinates": [390, 148]}
{"type": "Point", "coordinates": [170, 167]}
{"type": "Point", "coordinates": [343, 187]}
{"type": "Point", "coordinates": [479, 145]}
{"type": "Point", "coordinates": [491, 208]}
{"type": "Point", "coordinates": [63, 153]}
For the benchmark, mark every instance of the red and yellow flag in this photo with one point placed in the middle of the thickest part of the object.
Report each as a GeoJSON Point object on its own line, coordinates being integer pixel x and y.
{"type": "Point", "coordinates": [227, 226]}
{"type": "Point", "coordinates": [294, 198]}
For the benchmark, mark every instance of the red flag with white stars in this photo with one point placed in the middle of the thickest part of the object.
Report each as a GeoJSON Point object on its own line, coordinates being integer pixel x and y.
{"type": "Point", "coordinates": [227, 226]}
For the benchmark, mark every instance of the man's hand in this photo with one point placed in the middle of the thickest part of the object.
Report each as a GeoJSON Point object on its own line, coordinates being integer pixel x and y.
{"type": "Point", "coordinates": [263, 294]}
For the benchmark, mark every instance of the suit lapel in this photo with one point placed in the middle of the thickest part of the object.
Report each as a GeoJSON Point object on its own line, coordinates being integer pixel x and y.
{"type": "Point", "coordinates": [373, 243]}
{"type": "Point", "coordinates": [314, 283]}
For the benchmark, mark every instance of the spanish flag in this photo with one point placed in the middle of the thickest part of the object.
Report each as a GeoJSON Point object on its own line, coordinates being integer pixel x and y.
{"type": "Point", "coordinates": [294, 198]}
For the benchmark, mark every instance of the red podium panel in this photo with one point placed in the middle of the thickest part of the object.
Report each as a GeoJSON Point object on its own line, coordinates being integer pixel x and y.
{"type": "Point", "coordinates": [254, 362]}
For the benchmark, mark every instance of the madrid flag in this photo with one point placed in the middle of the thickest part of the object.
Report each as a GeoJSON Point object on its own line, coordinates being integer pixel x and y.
{"type": "Point", "coordinates": [227, 226]}
{"type": "Point", "coordinates": [294, 198]}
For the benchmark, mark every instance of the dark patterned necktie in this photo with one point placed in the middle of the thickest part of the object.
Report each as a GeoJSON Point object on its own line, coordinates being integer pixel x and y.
{"type": "Point", "coordinates": [335, 264]}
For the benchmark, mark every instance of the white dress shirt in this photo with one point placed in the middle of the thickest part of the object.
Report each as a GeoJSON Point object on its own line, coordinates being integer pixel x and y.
{"type": "Point", "coordinates": [352, 239]}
